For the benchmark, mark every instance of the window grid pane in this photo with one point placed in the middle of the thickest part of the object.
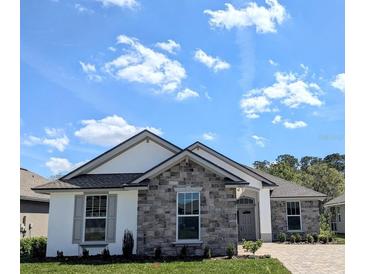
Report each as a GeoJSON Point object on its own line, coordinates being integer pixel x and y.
{"type": "Point", "coordinates": [188, 216]}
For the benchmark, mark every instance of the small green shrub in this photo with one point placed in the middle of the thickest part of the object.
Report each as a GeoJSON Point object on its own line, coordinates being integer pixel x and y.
{"type": "Point", "coordinates": [230, 251]}
{"type": "Point", "coordinates": [309, 239]}
{"type": "Point", "coordinates": [315, 237]}
{"type": "Point", "coordinates": [33, 248]}
{"type": "Point", "coordinates": [255, 246]}
{"type": "Point", "coordinates": [85, 253]}
{"type": "Point", "coordinates": [105, 254]}
{"type": "Point", "coordinates": [298, 238]}
{"type": "Point", "coordinates": [292, 238]}
{"type": "Point", "coordinates": [128, 243]}
{"type": "Point", "coordinates": [158, 252]}
{"type": "Point", "coordinates": [183, 252]}
{"type": "Point", "coordinates": [207, 252]}
{"type": "Point", "coordinates": [282, 237]}
{"type": "Point", "coordinates": [247, 245]}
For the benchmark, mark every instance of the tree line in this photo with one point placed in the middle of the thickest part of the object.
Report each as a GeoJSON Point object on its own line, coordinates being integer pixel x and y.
{"type": "Point", "coordinates": [325, 175]}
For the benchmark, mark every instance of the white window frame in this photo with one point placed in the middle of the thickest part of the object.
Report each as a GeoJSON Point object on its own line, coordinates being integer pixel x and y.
{"type": "Point", "coordinates": [338, 215]}
{"type": "Point", "coordinates": [91, 217]}
{"type": "Point", "coordinates": [190, 215]}
{"type": "Point", "coordinates": [300, 216]}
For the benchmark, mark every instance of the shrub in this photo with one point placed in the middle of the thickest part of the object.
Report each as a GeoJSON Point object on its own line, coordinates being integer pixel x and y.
{"type": "Point", "coordinates": [183, 252]}
{"type": "Point", "coordinates": [292, 238]}
{"type": "Point", "coordinates": [230, 251]}
{"type": "Point", "coordinates": [282, 237]}
{"type": "Point", "coordinates": [309, 239]}
{"type": "Point", "coordinates": [247, 245]}
{"type": "Point", "coordinates": [326, 236]}
{"type": "Point", "coordinates": [128, 243]}
{"type": "Point", "coordinates": [158, 252]}
{"type": "Point", "coordinates": [105, 253]}
{"type": "Point", "coordinates": [34, 247]}
{"type": "Point", "coordinates": [315, 237]}
{"type": "Point", "coordinates": [207, 252]}
{"type": "Point", "coordinates": [59, 255]}
{"type": "Point", "coordinates": [85, 253]}
{"type": "Point", "coordinates": [298, 238]}
{"type": "Point", "coordinates": [255, 246]}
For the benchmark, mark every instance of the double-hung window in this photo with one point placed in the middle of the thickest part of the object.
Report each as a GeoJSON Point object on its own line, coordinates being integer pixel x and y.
{"type": "Point", "coordinates": [95, 218]}
{"type": "Point", "coordinates": [188, 216]}
{"type": "Point", "coordinates": [293, 216]}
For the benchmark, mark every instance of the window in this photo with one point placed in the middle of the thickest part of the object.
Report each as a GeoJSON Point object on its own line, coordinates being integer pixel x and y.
{"type": "Point", "coordinates": [188, 220]}
{"type": "Point", "coordinates": [246, 201]}
{"type": "Point", "coordinates": [95, 218]}
{"type": "Point", "coordinates": [293, 216]}
{"type": "Point", "coordinates": [338, 214]}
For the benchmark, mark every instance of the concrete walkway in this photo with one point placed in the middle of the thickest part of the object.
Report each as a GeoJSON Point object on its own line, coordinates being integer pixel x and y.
{"type": "Point", "coordinates": [305, 258]}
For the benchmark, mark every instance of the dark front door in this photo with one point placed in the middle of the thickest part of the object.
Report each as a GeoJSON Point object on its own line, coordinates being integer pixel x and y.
{"type": "Point", "coordinates": [246, 224]}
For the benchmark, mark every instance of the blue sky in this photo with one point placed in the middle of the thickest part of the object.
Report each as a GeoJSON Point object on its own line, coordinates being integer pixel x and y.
{"type": "Point", "coordinates": [251, 79]}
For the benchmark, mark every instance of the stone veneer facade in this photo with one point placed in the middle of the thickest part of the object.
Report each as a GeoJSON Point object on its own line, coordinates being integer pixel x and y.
{"type": "Point", "coordinates": [157, 211]}
{"type": "Point", "coordinates": [309, 213]}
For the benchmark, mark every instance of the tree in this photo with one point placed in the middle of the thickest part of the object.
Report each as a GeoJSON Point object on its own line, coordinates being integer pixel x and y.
{"type": "Point", "coordinates": [288, 160]}
{"type": "Point", "coordinates": [336, 160]}
{"type": "Point", "coordinates": [307, 161]}
{"type": "Point", "coordinates": [262, 165]}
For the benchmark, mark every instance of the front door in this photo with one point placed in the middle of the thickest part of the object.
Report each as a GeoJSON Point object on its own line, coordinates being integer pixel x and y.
{"type": "Point", "coordinates": [246, 224]}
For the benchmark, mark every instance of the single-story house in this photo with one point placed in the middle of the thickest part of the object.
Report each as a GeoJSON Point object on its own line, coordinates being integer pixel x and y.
{"type": "Point", "coordinates": [33, 206]}
{"type": "Point", "coordinates": [336, 207]}
{"type": "Point", "coordinates": [170, 197]}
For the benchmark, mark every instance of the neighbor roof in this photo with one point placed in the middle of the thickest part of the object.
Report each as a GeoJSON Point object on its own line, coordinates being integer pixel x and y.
{"type": "Point", "coordinates": [339, 200]}
{"type": "Point", "coordinates": [287, 189]}
{"type": "Point", "coordinates": [93, 181]}
{"type": "Point", "coordinates": [28, 180]}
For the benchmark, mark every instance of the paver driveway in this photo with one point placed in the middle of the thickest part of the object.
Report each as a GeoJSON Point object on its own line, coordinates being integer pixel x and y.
{"type": "Point", "coordinates": [306, 259]}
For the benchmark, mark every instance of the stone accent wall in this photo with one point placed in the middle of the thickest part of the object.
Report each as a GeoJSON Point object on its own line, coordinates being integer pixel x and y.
{"type": "Point", "coordinates": [157, 211]}
{"type": "Point", "coordinates": [309, 212]}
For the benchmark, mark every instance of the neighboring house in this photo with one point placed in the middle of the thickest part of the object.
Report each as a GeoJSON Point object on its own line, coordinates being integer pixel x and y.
{"type": "Point", "coordinates": [336, 207]}
{"type": "Point", "coordinates": [33, 206]}
{"type": "Point", "coordinates": [170, 197]}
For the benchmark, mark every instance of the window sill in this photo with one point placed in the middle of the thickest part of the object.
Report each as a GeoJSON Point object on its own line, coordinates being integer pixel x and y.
{"type": "Point", "coordinates": [188, 243]}
{"type": "Point", "coordinates": [297, 231]}
{"type": "Point", "coordinates": [93, 244]}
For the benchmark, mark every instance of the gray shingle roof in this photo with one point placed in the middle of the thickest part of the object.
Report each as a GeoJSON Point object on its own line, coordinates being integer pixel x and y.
{"type": "Point", "coordinates": [28, 180]}
{"type": "Point", "coordinates": [287, 189]}
{"type": "Point", "coordinates": [335, 201]}
{"type": "Point", "coordinates": [88, 181]}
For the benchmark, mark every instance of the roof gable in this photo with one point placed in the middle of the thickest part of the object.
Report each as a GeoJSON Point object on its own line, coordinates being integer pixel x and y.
{"type": "Point", "coordinates": [28, 180]}
{"type": "Point", "coordinates": [116, 151]}
{"type": "Point", "coordinates": [188, 155]}
{"type": "Point", "coordinates": [234, 164]}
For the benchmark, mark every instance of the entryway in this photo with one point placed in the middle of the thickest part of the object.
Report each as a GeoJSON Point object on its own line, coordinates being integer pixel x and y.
{"type": "Point", "coordinates": [246, 219]}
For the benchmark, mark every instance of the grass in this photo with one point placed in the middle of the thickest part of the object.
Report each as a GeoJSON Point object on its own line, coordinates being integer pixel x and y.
{"type": "Point", "coordinates": [252, 266]}
{"type": "Point", "coordinates": [340, 238]}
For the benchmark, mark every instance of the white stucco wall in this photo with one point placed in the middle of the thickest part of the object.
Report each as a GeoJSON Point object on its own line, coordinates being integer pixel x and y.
{"type": "Point", "coordinates": [138, 158]}
{"type": "Point", "coordinates": [60, 223]}
{"type": "Point", "coordinates": [253, 181]}
{"type": "Point", "coordinates": [265, 215]}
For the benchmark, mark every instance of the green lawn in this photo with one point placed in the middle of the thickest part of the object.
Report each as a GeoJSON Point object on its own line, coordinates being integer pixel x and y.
{"type": "Point", "coordinates": [340, 238]}
{"type": "Point", "coordinates": [252, 266]}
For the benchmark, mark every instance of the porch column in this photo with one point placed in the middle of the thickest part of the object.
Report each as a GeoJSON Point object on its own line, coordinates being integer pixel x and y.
{"type": "Point", "coordinates": [265, 215]}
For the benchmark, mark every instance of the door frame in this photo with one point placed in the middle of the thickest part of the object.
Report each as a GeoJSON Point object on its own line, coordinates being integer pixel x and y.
{"type": "Point", "coordinates": [253, 206]}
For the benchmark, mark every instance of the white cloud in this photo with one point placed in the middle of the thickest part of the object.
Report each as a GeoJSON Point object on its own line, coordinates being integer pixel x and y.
{"type": "Point", "coordinates": [252, 106]}
{"type": "Point", "coordinates": [87, 68]}
{"type": "Point", "coordinates": [209, 136]}
{"type": "Point", "coordinates": [186, 94]}
{"type": "Point", "coordinates": [90, 71]}
{"type": "Point", "coordinates": [265, 19]}
{"type": "Point", "coordinates": [82, 9]}
{"type": "Point", "coordinates": [211, 62]}
{"type": "Point", "coordinates": [273, 63]}
{"type": "Point", "coordinates": [277, 119]}
{"type": "Point", "coordinates": [113, 49]}
{"type": "Point", "coordinates": [294, 125]}
{"type": "Point", "coordinates": [144, 65]}
{"type": "Point", "coordinates": [109, 131]}
{"type": "Point", "coordinates": [56, 138]}
{"type": "Point", "coordinates": [120, 3]}
{"type": "Point", "coordinates": [61, 165]}
{"type": "Point", "coordinates": [170, 46]}
{"type": "Point", "coordinates": [206, 94]}
{"type": "Point", "coordinates": [260, 141]}
{"type": "Point", "coordinates": [289, 89]}
{"type": "Point", "coordinates": [339, 82]}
